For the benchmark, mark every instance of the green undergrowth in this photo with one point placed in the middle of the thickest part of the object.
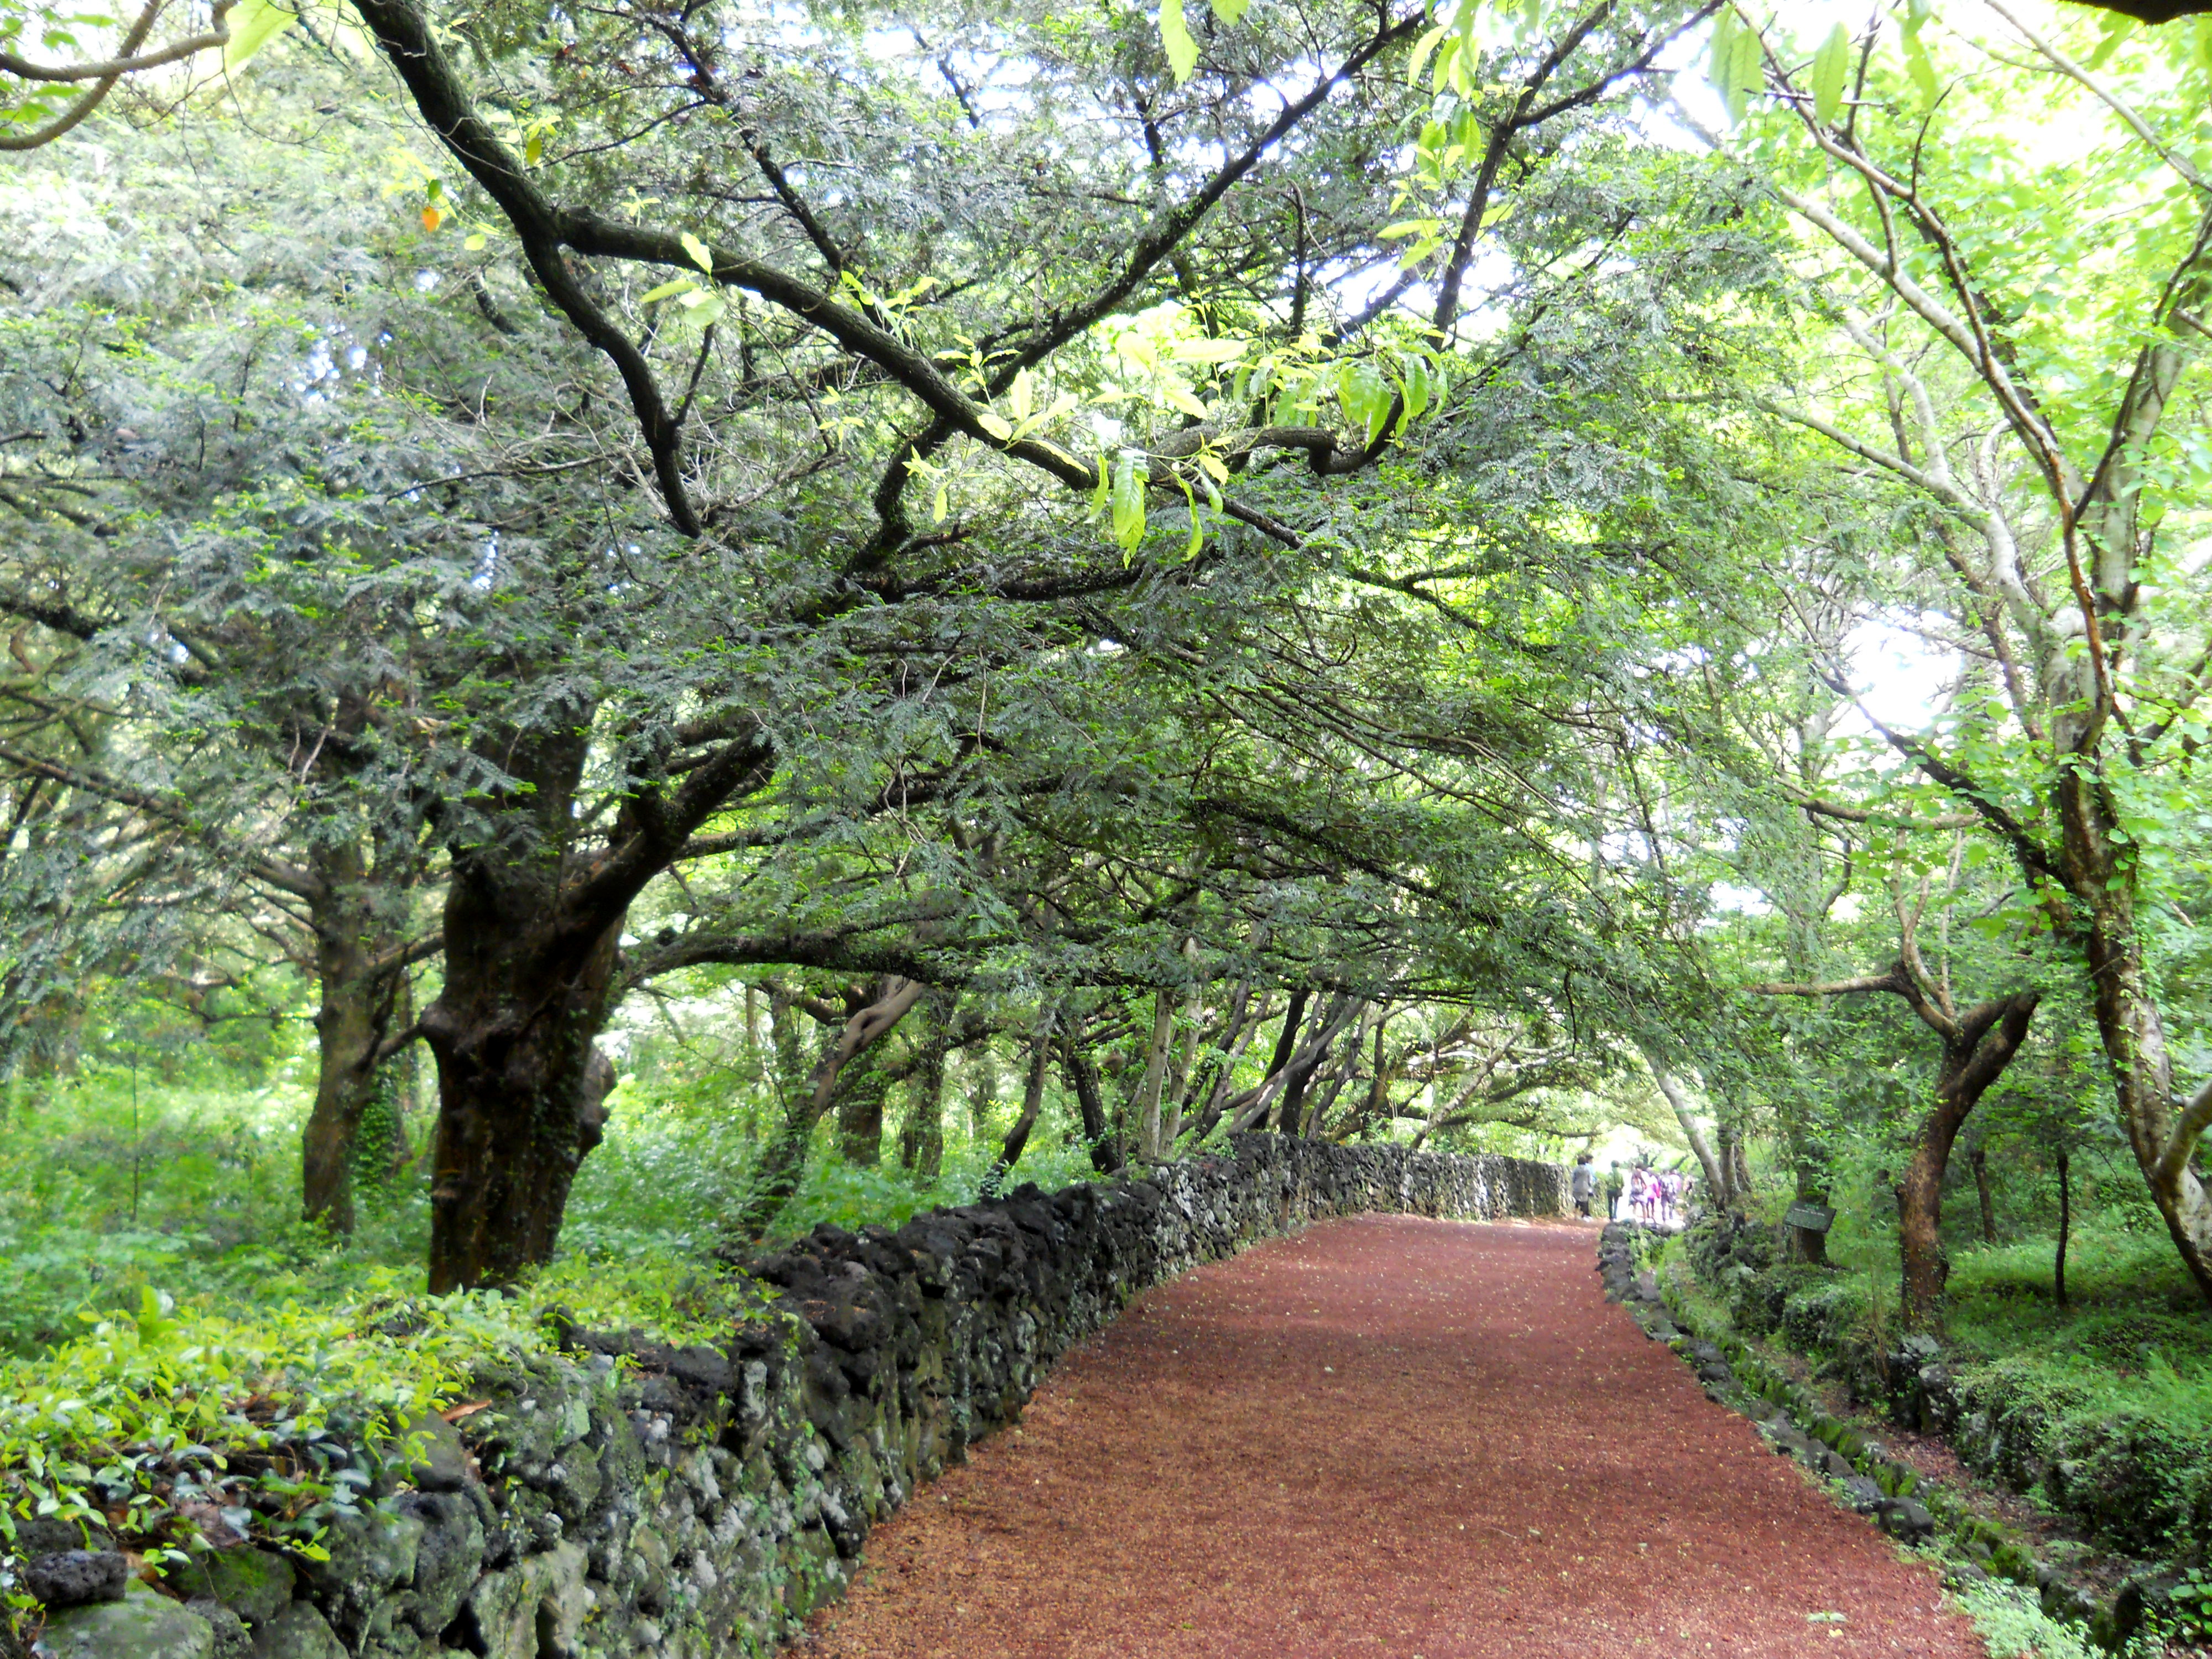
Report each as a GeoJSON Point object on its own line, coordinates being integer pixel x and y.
{"type": "Point", "coordinates": [114, 1184]}
{"type": "Point", "coordinates": [176, 1345]}
{"type": "Point", "coordinates": [276, 1421]}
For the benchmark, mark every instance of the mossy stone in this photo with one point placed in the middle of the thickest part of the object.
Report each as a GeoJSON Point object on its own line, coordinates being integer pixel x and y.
{"type": "Point", "coordinates": [143, 1625]}
{"type": "Point", "coordinates": [252, 1583]}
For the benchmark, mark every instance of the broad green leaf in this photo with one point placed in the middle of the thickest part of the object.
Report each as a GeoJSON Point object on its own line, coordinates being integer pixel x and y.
{"type": "Point", "coordinates": [1831, 68]}
{"type": "Point", "coordinates": [534, 150]}
{"type": "Point", "coordinates": [668, 289]}
{"type": "Point", "coordinates": [1422, 47]}
{"type": "Point", "coordinates": [996, 425]}
{"type": "Point", "coordinates": [1734, 66]}
{"type": "Point", "coordinates": [1209, 351]}
{"type": "Point", "coordinates": [1018, 398]}
{"type": "Point", "coordinates": [1230, 11]}
{"type": "Point", "coordinates": [1365, 395]}
{"type": "Point", "coordinates": [253, 25]}
{"type": "Point", "coordinates": [1175, 35]}
{"type": "Point", "coordinates": [697, 250]}
{"type": "Point", "coordinates": [1128, 505]}
{"type": "Point", "coordinates": [1407, 227]}
{"type": "Point", "coordinates": [1179, 400]}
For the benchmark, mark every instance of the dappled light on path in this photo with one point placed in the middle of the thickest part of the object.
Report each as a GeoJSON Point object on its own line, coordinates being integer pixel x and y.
{"type": "Point", "coordinates": [1416, 1438]}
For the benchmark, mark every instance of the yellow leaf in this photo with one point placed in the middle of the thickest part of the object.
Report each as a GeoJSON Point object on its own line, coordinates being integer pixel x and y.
{"type": "Point", "coordinates": [995, 425]}
{"type": "Point", "coordinates": [432, 218]}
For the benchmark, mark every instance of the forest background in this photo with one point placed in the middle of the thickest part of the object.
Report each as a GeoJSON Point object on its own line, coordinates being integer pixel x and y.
{"type": "Point", "coordinates": [633, 629]}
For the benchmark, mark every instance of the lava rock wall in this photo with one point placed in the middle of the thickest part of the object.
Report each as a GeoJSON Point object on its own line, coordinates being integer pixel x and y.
{"type": "Point", "coordinates": [626, 1498]}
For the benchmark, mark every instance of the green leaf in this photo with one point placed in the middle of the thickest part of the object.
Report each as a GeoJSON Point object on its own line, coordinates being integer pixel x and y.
{"type": "Point", "coordinates": [1230, 11]}
{"type": "Point", "coordinates": [1128, 502]}
{"type": "Point", "coordinates": [1017, 398]}
{"type": "Point", "coordinates": [1175, 35]}
{"type": "Point", "coordinates": [253, 25]}
{"type": "Point", "coordinates": [1422, 47]}
{"type": "Point", "coordinates": [1831, 68]}
{"type": "Point", "coordinates": [2117, 27]}
{"type": "Point", "coordinates": [697, 250]}
{"type": "Point", "coordinates": [997, 426]}
{"type": "Point", "coordinates": [667, 290]}
{"type": "Point", "coordinates": [1734, 64]}
{"type": "Point", "coordinates": [1917, 66]}
{"type": "Point", "coordinates": [1366, 397]}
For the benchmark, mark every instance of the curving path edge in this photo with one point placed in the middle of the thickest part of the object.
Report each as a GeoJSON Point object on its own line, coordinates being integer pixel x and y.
{"type": "Point", "coordinates": [1388, 1436]}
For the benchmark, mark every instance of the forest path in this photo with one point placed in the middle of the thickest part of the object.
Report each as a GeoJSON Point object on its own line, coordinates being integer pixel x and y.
{"type": "Point", "coordinates": [1410, 1438]}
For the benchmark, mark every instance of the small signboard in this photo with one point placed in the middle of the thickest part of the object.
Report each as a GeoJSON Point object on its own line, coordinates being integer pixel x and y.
{"type": "Point", "coordinates": [1811, 1217]}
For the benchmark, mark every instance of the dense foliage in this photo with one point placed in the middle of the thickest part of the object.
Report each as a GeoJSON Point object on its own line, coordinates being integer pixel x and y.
{"type": "Point", "coordinates": [629, 628]}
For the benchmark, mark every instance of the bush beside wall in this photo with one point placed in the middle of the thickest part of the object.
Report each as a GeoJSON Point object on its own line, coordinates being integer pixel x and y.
{"type": "Point", "coordinates": [623, 1497]}
{"type": "Point", "coordinates": [2135, 1484]}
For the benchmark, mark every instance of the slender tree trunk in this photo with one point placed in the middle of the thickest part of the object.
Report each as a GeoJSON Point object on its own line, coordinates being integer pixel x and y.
{"type": "Point", "coordinates": [1155, 1074]}
{"type": "Point", "coordinates": [921, 1143]}
{"type": "Point", "coordinates": [1715, 1183]}
{"type": "Point", "coordinates": [1083, 1081]}
{"type": "Point", "coordinates": [1980, 1161]}
{"type": "Point", "coordinates": [2134, 1041]}
{"type": "Point", "coordinates": [1018, 1138]}
{"type": "Point", "coordinates": [861, 1117]}
{"type": "Point", "coordinates": [2065, 1226]}
{"type": "Point", "coordinates": [784, 1164]}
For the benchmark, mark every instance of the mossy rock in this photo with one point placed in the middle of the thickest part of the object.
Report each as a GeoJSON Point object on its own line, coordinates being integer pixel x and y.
{"type": "Point", "coordinates": [252, 1583]}
{"type": "Point", "coordinates": [143, 1625]}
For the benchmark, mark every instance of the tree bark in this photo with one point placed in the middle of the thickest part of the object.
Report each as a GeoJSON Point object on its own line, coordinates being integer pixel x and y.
{"type": "Point", "coordinates": [532, 924]}
{"type": "Point", "coordinates": [1980, 1161]}
{"type": "Point", "coordinates": [1155, 1074]}
{"type": "Point", "coordinates": [1977, 1048]}
{"type": "Point", "coordinates": [922, 1143]}
{"type": "Point", "coordinates": [1083, 1081]}
{"type": "Point", "coordinates": [360, 969]}
{"type": "Point", "coordinates": [784, 1164]}
{"type": "Point", "coordinates": [861, 1117]}
{"type": "Point", "coordinates": [1715, 1183]}
{"type": "Point", "coordinates": [2065, 1226]}
{"type": "Point", "coordinates": [1018, 1138]}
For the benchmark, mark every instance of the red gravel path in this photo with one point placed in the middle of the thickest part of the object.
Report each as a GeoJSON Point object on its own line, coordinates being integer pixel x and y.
{"type": "Point", "coordinates": [1390, 1436]}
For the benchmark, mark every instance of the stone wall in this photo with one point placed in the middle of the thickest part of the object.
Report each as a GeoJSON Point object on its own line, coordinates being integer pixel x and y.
{"type": "Point", "coordinates": [624, 1497]}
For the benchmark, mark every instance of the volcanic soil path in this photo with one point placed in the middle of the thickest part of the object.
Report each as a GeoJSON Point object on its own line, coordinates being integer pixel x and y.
{"type": "Point", "coordinates": [1409, 1438]}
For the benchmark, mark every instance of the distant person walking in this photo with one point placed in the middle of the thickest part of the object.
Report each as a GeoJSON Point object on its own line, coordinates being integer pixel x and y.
{"type": "Point", "coordinates": [1639, 1194]}
{"type": "Point", "coordinates": [1583, 1185]}
{"type": "Point", "coordinates": [1613, 1186]}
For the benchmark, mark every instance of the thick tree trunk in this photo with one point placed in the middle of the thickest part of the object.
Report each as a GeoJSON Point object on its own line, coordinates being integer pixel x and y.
{"type": "Point", "coordinates": [2135, 1042]}
{"type": "Point", "coordinates": [1975, 1055]}
{"type": "Point", "coordinates": [860, 1118]}
{"type": "Point", "coordinates": [521, 1091]}
{"type": "Point", "coordinates": [361, 976]}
